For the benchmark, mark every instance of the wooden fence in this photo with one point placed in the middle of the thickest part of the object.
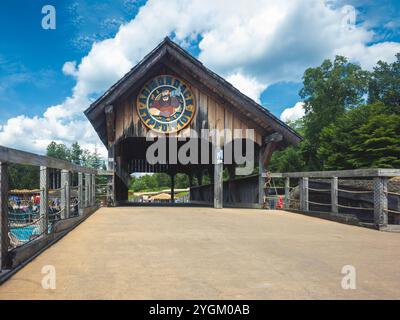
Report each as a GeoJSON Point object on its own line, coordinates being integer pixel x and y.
{"type": "Point", "coordinates": [379, 193]}
{"type": "Point", "coordinates": [61, 171]}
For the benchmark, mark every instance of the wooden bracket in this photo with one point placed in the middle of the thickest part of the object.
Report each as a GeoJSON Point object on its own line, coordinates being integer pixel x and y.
{"type": "Point", "coordinates": [110, 122]}
{"type": "Point", "coordinates": [270, 142]}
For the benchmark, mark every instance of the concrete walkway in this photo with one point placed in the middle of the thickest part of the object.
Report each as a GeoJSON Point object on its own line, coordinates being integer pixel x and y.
{"type": "Point", "coordinates": [201, 253]}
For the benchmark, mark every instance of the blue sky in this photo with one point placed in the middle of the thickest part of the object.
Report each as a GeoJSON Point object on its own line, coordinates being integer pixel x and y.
{"type": "Point", "coordinates": [32, 80]}
{"type": "Point", "coordinates": [31, 58]}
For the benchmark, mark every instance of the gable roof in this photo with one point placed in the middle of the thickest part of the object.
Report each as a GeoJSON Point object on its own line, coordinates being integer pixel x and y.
{"type": "Point", "coordinates": [95, 112]}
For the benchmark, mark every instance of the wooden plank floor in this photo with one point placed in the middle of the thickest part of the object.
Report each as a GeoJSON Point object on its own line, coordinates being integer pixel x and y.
{"type": "Point", "coordinates": [200, 253]}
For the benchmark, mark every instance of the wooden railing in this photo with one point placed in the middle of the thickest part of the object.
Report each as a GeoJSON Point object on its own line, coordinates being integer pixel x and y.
{"type": "Point", "coordinates": [86, 190]}
{"type": "Point", "coordinates": [379, 193]}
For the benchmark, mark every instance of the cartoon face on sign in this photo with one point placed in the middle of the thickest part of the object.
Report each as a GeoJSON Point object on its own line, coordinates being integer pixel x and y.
{"type": "Point", "coordinates": [166, 104]}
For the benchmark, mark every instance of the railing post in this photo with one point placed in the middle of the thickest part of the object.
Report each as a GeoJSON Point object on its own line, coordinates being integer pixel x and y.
{"type": "Point", "coordinates": [44, 199]}
{"type": "Point", "coordinates": [334, 195]}
{"type": "Point", "coordinates": [110, 190]}
{"type": "Point", "coordinates": [380, 202]}
{"type": "Point", "coordinates": [87, 190]}
{"type": "Point", "coordinates": [218, 178]}
{"type": "Point", "coordinates": [65, 194]}
{"type": "Point", "coordinates": [172, 186]}
{"type": "Point", "coordinates": [93, 189]}
{"type": "Point", "coordinates": [4, 227]}
{"type": "Point", "coordinates": [80, 193]}
{"type": "Point", "coordinates": [304, 194]}
{"type": "Point", "coordinates": [261, 178]}
{"type": "Point", "coordinates": [287, 193]}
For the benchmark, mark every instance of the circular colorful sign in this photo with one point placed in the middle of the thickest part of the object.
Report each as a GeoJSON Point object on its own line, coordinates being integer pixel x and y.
{"type": "Point", "coordinates": [166, 104]}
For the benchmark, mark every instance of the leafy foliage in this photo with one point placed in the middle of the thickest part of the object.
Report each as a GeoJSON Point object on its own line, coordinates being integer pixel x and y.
{"type": "Point", "coordinates": [75, 154]}
{"type": "Point", "coordinates": [341, 130]}
{"type": "Point", "coordinates": [158, 181]}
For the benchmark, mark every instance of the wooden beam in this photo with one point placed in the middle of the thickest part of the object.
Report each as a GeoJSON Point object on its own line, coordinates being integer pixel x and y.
{"type": "Point", "coordinates": [10, 155]}
{"type": "Point", "coordinates": [270, 144]}
{"type": "Point", "coordinates": [275, 137]}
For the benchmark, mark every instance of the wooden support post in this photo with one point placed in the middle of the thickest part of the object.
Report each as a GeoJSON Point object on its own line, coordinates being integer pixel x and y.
{"type": "Point", "coordinates": [51, 179]}
{"type": "Point", "coordinates": [110, 190]}
{"type": "Point", "coordinates": [261, 179]}
{"type": "Point", "coordinates": [93, 190]}
{"type": "Point", "coordinates": [87, 190]}
{"type": "Point", "coordinates": [334, 195]}
{"type": "Point", "coordinates": [4, 228]}
{"type": "Point", "coordinates": [210, 171]}
{"type": "Point", "coordinates": [380, 202]}
{"type": "Point", "coordinates": [172, 175]}
{"type": "Point", "coordinates": [304, 194]}
{"type": "Point", "coordinates": [190, 185]}
{"type": "Point", "coordinates": [190, 176]}
{"type": "Point", "coordinates": [110, 123]}
{"type": "Point", "coordinates": [57, 179]}
{"type": "Point", "coordinates": [65, 194]}
{"type": "Point", "coordinates": [44, 200]}
{"type": "Point", "coordinates": [269, 146]}
{"type": "Point", "coordinates": [80, 193]}
{"type": "Point", "coordinates": [199, 175]}
{"type": "Point", "coordinates": [287, 193]}
{"type": "Point", "coordinates": [218, 177]}
{"type": "Point", "coordinates": [111, 179]}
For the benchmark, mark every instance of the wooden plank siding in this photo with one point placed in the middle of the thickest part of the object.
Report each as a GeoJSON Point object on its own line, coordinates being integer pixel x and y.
{"type": "Point", "coordinates": [209, 114]}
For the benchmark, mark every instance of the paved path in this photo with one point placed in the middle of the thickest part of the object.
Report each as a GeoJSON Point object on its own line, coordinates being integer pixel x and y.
{"type": "Point", "coordinates": [200, 253]}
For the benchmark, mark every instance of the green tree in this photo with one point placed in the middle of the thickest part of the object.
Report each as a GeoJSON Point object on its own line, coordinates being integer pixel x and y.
{"type": "Point", "coordinates": [290, 159]}
{"type": "Point", "coordinates": [328, 92]}
{"type": "Point", "coordinates": [23, 176]}
{"type": "Point", "coordinates": [58, 151]}
{"type": "Point", "coordinates": [385, 85]}
{"type": "Point", "coordinates": [365, 137]}
{"type": "Point", "coordinates": [76, 153]}
{"type": "Point", "coordinates": [181, 181]}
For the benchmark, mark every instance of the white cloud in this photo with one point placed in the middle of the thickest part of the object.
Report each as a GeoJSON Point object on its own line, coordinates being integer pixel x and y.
{"type": "Point", "coordinates": [294, 113]}
{"type": "Point", "coordinates": [252, 43]}
{"type": "Point", "coordinates": [69, 68]}
{"type": "Point", "coordinates": [368, 56]}
{"type": "Point", "coordinates": [249, 86]}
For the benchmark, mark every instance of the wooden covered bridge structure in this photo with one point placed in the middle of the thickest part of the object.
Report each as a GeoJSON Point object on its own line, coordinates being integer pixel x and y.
{"type": "Point", "coordinates": [198, 99]}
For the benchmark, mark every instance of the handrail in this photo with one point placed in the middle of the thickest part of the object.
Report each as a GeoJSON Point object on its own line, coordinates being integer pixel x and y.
{"type": "Point", "coordinates": [360, 173]}
{"type": "Point", "coordinates": [378, 194]}
{"type": "Point", "coordinates": [26, 158]}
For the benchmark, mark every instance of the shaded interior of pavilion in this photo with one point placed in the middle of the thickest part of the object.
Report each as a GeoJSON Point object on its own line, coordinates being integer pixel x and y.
{"type": "Point", "coordinates": [197, 163]}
